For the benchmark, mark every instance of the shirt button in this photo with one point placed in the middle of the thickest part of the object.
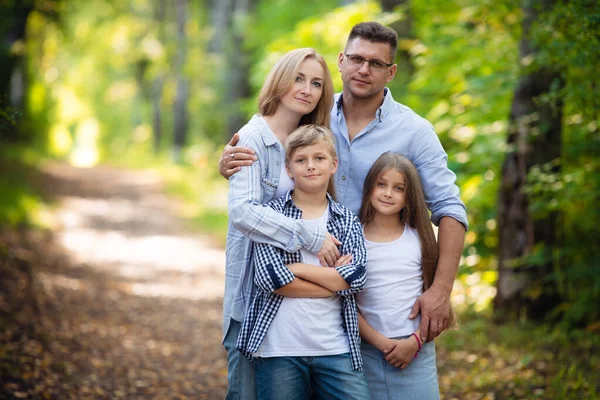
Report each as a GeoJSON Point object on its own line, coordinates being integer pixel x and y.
{"type": "Point", "coordinates": [343, 177]}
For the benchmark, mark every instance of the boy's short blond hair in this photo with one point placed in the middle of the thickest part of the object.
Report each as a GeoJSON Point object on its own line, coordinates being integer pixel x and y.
{"type": "Point", "coordinates": [307, 135]}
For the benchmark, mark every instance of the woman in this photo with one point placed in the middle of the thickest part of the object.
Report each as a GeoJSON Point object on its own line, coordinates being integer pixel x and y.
{"type": "Point", "coordinates": [297, 91]}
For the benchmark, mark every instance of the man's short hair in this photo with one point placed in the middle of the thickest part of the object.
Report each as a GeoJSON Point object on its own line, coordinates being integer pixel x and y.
{"type": "Point", "coordinates": [375, 32]}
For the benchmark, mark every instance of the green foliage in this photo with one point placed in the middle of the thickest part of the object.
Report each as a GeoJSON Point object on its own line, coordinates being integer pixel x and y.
{"type": "Point", "coordinates": [567, 41]}
{"type": "Point", "coordinates": [90, 99]}
{"type": "Point", "coordinates": [8, 119]}
{"type": "Point", "coordinates": [21, 200]}
{"type": "Point", "coordinates": [466, 58]}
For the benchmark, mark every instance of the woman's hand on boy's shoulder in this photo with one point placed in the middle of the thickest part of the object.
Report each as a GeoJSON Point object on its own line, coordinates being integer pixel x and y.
{"type": "Point", "coordinates": [329, 253]}
{"type": "Point", "coordinates": [343, 260]}
{"type": "Point", "coordinates": [234, 158]}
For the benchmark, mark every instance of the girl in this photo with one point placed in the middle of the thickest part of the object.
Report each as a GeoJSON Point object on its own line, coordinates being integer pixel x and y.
{"type": "Point", "coordinates": [304, 344]}
{"type": "Point", "coordinates": [402, 258]}
{"type": "Point", "coordinates": [297, 91]}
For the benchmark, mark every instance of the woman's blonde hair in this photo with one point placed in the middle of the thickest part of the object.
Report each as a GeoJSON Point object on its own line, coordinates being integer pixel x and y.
{"type": "Point", "coordinates": [414, 213]}
{"type": "Point", "coordinates": [307, 135]}
{"type": "Point", "coordinates": [282, 76]}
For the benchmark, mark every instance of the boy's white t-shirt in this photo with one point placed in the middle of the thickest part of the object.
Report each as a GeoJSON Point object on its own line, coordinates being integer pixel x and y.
{"type": "Point", "coordinates": [285, 182]}
{"type": "Point", "coordinates": [395, 280]}
{"type": "Point", "coordinates": [306, 326]}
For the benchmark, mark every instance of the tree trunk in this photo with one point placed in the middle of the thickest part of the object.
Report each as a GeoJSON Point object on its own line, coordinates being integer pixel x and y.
{"type": "Point", "coordinates": [157, 91]}
{"type": "Point", "coordinates": [238, 76]}
{"type": "Point", "coordinates": [221, 17]}
{"type": "Point", "coordinates": [534, 138]}
{"type": "Point", "coordinates": [143, 94]}
{"type": "Point", "coordinates": [13, 83]}
{"type": "Point", "coordinates": [182, 91]}
{"type": "Point", "coordinates": [158, 84]}
{"type": "Point", "coordinates": [404, 27]}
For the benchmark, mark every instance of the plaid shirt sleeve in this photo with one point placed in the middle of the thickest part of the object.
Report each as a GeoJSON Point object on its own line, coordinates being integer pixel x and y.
{"type": "Point", "coordinates": [270, 271]}
{"type": "Point", "coordinates": [355, 274]}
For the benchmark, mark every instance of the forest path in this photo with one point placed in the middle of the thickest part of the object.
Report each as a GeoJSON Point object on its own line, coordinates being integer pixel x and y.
{"type": "Point", "coordinates": [131, 302]}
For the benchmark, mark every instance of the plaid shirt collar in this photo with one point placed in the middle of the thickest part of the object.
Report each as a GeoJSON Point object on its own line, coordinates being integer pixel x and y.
{"type": "Point", "coordinates": [290, 208]}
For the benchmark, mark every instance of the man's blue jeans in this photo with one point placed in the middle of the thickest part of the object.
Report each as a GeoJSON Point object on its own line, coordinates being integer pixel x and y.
{"type": "Point", "coordinates": [292, 378]}
{"type": "Point", "coordinates": [240, 371]}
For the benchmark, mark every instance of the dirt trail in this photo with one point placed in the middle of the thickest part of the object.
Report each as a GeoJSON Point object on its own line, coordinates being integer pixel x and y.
{"type": "Point", "coordinates": [132, 301]}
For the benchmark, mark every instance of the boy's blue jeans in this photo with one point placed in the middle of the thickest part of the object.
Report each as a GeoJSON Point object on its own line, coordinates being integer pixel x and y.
{"type": "Point", "coordinates": [240, 371]}
{"type": "Point", "coordinates": [292, 378]}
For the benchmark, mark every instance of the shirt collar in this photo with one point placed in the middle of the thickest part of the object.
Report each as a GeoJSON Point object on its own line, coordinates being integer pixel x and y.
{"type": "Point", "coordinates": [388, 103]}
{"type": "Point", "coordinates": [383, 110]}
{"type": "Point", "coordinates": [267, 135]}
{"type": "Point", "coordinates": [334, 206]}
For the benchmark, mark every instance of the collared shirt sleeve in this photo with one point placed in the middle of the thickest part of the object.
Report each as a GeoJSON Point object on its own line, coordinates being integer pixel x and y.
{"type": "Point", "coordinates": [270, 272]}
{"type": "Point", "coordinates": [355, 274]}
{"type": "Point", "coordinates": [259, 222]}
{"type": "Point", "coordinates": [439, 182]}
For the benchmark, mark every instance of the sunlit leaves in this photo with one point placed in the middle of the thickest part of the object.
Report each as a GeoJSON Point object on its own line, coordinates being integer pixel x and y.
{"type": "Point", "coordinates": [326, 33]}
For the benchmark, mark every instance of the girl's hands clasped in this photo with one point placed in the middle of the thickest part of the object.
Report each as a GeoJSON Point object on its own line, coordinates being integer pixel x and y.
{"type": "Point", "coordinates": [399, 353]}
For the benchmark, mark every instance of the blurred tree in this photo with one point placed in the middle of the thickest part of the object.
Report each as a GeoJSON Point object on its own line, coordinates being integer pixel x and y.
{"type": "Point", "coordinates": [158, 83]}
{"type": "Point", "coordinates": [238, 66]}
{"type": "Point", "coordinates": [13, 87]}
{"type": "Point", "coordinates": [534, 138]}
{"type": "Point", "coordinates": [406, 40]}
{"type": "Point", "coordinates": [180, 117]}
{"type": "Point", "coordinates": [567, 39]}
{"type": "Point", "coordinates": [221, 12]}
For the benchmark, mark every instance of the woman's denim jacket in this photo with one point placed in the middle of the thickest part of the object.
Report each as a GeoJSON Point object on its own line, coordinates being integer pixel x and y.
{"type": "Point", "coordinates": [250, 220]}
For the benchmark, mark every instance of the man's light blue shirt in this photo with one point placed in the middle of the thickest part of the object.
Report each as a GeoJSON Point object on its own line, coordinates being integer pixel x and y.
{"type": "Point", "coordinates": [399, 129]}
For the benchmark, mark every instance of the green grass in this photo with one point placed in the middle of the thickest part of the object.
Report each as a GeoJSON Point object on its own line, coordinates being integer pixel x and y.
{"type": "Point", "coordinates": [21, 200]}
{"type": "Point", "coordinates": [517, 361]}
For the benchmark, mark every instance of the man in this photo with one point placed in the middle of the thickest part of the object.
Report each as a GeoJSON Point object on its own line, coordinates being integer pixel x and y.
{"type": "Point", "coordinates": [366, 122]}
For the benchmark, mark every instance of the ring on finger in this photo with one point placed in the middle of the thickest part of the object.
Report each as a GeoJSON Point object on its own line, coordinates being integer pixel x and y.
{"type": "Point", "coordinates": [233, 156]}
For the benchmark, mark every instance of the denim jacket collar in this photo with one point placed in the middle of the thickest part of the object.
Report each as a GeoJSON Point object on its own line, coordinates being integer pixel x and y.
{"type": "Point", "coordinates": [266, 133]}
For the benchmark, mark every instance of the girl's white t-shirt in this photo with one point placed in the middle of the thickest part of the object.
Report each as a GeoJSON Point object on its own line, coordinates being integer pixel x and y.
{"type": "Point", "coordinates": [395, 280]}
{"type": "Point", "coordinates": [306, 326]}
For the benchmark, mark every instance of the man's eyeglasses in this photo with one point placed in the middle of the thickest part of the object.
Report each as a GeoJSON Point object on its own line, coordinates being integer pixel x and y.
{"type": "Point", "coordinates": [358, 61]}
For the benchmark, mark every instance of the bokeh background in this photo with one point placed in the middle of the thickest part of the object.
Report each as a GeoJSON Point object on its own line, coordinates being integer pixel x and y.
{"type": "Point", "coordinates": [159, 86]}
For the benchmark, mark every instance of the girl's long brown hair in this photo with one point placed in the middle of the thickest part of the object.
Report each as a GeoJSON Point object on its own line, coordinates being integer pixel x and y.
{"type": "Point", "coordinates": [414, 213]}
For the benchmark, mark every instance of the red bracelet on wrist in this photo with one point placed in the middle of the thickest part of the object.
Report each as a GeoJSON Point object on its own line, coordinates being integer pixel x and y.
{"type": "Point", "coordinates": [418, 343]}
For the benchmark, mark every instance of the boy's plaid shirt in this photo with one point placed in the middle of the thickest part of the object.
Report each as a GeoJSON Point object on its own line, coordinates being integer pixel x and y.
{"type": "Point", "coordinates": [271, 273]}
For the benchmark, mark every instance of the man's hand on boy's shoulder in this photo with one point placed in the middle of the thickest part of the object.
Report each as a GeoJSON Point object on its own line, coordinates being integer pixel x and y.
{"type": "Point", "coordinates": [234, 158]}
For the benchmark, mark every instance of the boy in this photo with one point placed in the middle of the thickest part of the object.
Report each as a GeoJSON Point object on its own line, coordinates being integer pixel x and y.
{"type": "Point", "coordinates": [302, 328]}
